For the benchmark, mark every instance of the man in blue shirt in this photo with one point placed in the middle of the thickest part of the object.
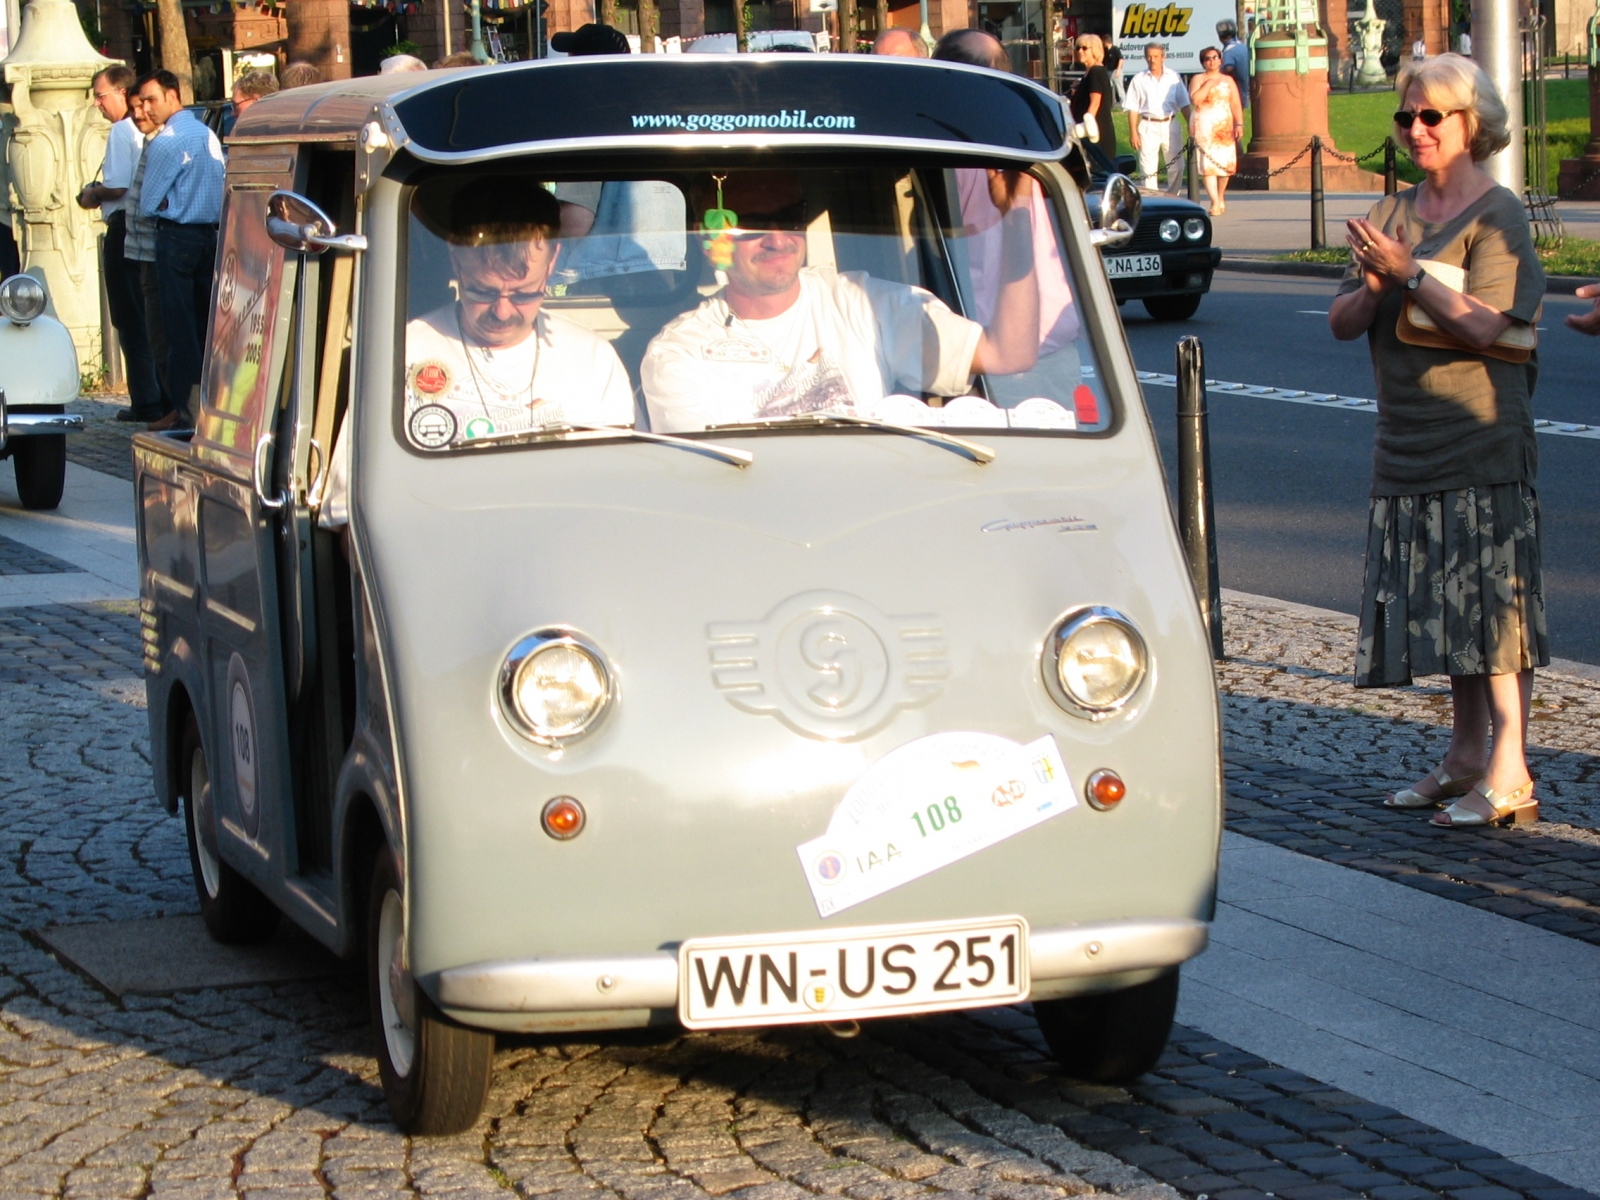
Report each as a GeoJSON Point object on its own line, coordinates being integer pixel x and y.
{"type": "Point", "coordinates": [1235, 59]}
{"type": "Point", "coordinates": [182, 191]}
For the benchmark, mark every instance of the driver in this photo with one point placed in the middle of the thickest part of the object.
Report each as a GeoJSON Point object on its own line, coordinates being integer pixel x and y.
{"type": "Point", "coordinates": [781, 339]}
{"type": "Point", "coordinates": [492, 362]}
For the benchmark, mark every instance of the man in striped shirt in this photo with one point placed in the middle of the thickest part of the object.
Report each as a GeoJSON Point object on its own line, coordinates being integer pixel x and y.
{"type": "Point", "coordinates": [182, 190]}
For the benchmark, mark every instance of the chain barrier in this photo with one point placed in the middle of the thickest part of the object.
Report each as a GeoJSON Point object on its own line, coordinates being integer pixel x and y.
{"type": "Point", "coordinates": [1190, 147]}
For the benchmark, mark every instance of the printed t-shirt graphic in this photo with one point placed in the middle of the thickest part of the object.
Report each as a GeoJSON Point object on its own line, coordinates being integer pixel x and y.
{"type": "Point", "coordinates": [458, 392]}
{"type": "Point", "coordinates": [847, 341]}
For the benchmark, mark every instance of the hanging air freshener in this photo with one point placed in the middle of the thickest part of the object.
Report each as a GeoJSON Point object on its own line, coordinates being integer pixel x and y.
{"type": "Point", "coordinates": [718, 224]}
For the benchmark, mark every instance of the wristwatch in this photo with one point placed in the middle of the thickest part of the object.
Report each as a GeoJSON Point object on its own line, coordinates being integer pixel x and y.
{"type": "Point", "coordinates": [1415, 281]}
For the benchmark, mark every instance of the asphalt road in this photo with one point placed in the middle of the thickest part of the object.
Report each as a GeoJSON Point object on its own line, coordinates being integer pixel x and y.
{"type": "Point", "coordinates": [1291, 479]}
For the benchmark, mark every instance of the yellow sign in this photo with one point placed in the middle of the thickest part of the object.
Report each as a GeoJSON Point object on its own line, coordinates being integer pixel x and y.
{"type": "Point", "coordinates": [1142, 20]}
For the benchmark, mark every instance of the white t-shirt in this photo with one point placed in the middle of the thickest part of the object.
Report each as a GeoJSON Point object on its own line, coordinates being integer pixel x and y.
{"type": "Point", "coordinates": [124, 144]}
{"type": "Point", "coordinates": [455, 393]}
{"type": "Point", "coordinates": [847, 341]}
{"type": "Point", "coordinates": [1156, 98]}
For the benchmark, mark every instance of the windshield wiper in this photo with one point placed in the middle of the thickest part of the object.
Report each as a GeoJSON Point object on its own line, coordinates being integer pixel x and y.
{"type": "Point", "coordinates": [736, 458]}
{"type": "Point", "coordinates": [980, 454]}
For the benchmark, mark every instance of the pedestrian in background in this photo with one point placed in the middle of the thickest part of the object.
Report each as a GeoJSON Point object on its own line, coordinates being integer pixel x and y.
{"type": "Point", "coordinates": [1218, 124]}
{"type": "Point", "coordinates": [182, 190]}
{"type": "Point", "coordinates": [1447, 287]}
{"type": "Point", "coordinates": [298, 74]}
{"type": "Point", "coordinates": [124, 298]}
{"type": "Point", "coordinates": [899, 43]}
{"type": "Point", "coordinates": [249, 88]}
{"type": "Point", "coordinates": [139, 255]}
{"type": "Point", "coordinates": [1094, 97]}
{"type": "Point", "coordinates": [973, 47]}
{"type": "Point", "coordinates": [1235, 59]}
{"type": "Point", "coordinates": [1154, 98]}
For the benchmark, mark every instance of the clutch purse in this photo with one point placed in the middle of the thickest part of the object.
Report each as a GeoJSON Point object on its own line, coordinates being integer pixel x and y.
{"type": "Point", "coordinates": [1416, 327]}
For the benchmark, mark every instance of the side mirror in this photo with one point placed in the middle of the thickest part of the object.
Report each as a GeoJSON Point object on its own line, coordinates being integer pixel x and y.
{"type": "Point", "coordinates": [299, 225]}
{"type": "Point", "coordinates": [1120, 205]}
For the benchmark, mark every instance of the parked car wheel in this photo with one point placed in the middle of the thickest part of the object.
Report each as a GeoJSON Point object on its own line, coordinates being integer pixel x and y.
{"type": "Point", "coordinates": [1173, 308]}
{"type": "Point", "coordinates": [41, 465]}
{"type": "Point", "coordinates": [233, 908]}
{"type": "Point", "coordinates": [435, 1072]}
{"type": "Point", "coordinates": [1110, 1037]}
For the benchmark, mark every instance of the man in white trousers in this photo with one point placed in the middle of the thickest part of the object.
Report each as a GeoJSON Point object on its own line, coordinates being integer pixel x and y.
{"type": "Point", "coordinates": [1154, 99]}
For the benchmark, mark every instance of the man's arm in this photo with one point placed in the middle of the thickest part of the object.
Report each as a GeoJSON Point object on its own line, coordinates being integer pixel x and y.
{"type": "Point", "coordinates": [1011, 342]}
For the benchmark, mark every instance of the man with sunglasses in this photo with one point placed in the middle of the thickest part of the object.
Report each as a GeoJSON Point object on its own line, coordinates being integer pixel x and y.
{"type": "Point", "coordinates": [783, 339]}
{"type": "Point", "coordinates": [493, 362]}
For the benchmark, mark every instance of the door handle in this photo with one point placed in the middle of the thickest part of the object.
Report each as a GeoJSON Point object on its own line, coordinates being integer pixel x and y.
{"type": "Point", "coordinates": [319, 476]}
{"type": "Point", "coordinates": [272, 504]}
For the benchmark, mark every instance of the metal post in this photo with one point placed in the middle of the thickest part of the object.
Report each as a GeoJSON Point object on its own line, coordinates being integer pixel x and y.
{"type": "Point", "coordinates": [479, 54]}
{"type": "Point", "coordinates": [1193, 164]}
{"type": "Point", "coordinates": [1497, 45]}
{"type": "Point", "coordinates": [1390, 184]}
{"type": "Point", "coordinates": [110, 343]}
{"type": "Point", "coordinates": [1197, 522]}
{"type": "Point", "coordinates": [1319, 222]}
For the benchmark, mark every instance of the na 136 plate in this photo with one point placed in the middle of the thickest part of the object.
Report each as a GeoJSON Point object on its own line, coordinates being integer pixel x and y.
{"type": "Point", "coordinates": [1126, 266]}
{"type": "Point", "coordinates": [843, 974]}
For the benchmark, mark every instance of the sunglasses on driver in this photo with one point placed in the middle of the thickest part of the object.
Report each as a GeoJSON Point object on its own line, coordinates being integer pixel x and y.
{"type": "Point", "coordinates": [792, 219]}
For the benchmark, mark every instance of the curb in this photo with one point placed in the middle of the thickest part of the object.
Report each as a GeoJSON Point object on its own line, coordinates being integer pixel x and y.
{"type": "Point", "coordinates": [1555, 285]}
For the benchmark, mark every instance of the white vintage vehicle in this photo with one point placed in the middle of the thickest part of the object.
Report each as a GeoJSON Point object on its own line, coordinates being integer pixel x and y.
{"type": "Point", "coordinates": [38, 376]}
{"type": "Point", "coordinates": [752, 599]}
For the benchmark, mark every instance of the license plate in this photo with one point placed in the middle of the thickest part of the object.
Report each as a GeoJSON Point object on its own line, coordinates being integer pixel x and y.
{"type": "Point", "coordinates": [837, 975]}
{"type": "Point", "coordinates": [1127, 265]}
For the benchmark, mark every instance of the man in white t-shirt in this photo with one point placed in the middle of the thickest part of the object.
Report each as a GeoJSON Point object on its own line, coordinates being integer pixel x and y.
{"type": "Point", "coordinates": [1155, 97]}
{"type": "Point", "coordinates": [493, 362]}
{"type": "Point", "coordinates": [783, 339]}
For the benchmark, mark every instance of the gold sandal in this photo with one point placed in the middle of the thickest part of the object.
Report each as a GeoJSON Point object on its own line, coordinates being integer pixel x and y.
{"type": "Point", "coordinates": [1514, 808]}
{"type": "Point", "coordinates": [1449, 789]}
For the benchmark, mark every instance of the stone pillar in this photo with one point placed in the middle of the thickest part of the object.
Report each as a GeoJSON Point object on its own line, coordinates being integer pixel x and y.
{"type": "Point", "coordinates": [319, 33]}
{"type": "Point", "coordinates": [53, 142]}
{"type": "Point", "coordinates": [427, 28]}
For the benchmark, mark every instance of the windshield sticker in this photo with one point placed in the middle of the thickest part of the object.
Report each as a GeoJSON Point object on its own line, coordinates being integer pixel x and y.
{"type": "Point", "coordinates": [432, 427]}
{"type": "Point", "coordinates": [788, 118]}
{"type": "Point", "coordinates": [928, 804]}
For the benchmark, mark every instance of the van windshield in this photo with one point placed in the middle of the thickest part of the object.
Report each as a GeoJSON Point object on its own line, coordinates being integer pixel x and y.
{"type": "Point", "coordinates": [697, 301]}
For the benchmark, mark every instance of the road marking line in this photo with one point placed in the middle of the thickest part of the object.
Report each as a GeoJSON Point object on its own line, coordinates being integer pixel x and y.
{"type": "Point", "coordinates": [1334, 400]}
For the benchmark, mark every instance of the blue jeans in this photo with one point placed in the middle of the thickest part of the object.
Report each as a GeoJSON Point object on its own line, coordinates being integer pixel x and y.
{"type": "Point", "coordinates": [125, 299]}
{"type": "Point", "coordinates": [186, 258]}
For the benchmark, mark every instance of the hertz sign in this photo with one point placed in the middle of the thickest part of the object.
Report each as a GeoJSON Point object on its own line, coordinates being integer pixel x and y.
{"type": "Point", "coordinates": [1143, 21]}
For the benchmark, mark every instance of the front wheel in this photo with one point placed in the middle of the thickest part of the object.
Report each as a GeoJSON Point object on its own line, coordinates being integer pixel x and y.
{"type": "Point", "coordinates": [41, 465]}
{"type": "Point", "coordinates": [1173, 308]}
{"type": "Point", "coordinates": [435, 1072]}
{"type": "Point", "coordinates": [1110, 1037]}
{"type": "Point", "coordinates": [233, 908]}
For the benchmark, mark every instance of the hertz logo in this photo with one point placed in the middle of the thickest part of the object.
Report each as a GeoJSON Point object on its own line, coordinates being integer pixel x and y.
{"type": "Point", "coordinates": [1143, 21]}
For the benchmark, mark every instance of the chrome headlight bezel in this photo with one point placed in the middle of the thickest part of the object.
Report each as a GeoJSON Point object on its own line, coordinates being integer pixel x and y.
{"type": "Point", "coordinates": [527, 648]}
{"type": "Point", "coordinates": [23, 299]}
{"type": "Point", "coordinates": [1062, 632]}
{"type": "Point", "coordinates": [1194, 228]}
{"type": "Point", "coordinates": [1169, 230]}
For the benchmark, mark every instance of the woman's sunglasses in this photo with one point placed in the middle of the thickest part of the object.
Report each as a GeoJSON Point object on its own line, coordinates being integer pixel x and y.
{"type": "Point", "coordinates": [1430, 117]}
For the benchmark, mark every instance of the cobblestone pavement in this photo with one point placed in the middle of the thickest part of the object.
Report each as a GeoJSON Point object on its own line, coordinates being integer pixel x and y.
{"type": "Point", "coordinates": [17, 559]}
{"type": "Point", "coordinates": [105, 443]}
{"type": "Point", "coordinates": [271, 1092]}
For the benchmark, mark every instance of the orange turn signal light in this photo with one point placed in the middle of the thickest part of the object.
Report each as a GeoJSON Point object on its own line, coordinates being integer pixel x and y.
{"type": "Point", "coordinates": [1105, 790]}
{"type": "Point", "coordinates": [563, 818]}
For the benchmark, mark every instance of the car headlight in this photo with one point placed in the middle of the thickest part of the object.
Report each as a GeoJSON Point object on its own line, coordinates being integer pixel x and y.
{"type": "Point", "coordinates": [22, 298]}
{"type": "Point", "coordinates": [554, 686]}
{"type": "Point", "coordinates": [1194, 229]}
{"type": "Point", "coordinates": [1169, 230]}
{"type": "Point", "coordinates": [1094, 662]}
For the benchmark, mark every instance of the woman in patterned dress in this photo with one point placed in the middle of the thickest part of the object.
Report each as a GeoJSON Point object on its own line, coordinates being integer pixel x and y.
{"type": "Point", "coordinates": [1218, 124]}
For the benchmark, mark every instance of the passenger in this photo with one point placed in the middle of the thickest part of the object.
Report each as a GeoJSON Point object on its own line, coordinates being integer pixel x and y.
{"type": "Point", "coordinates": [492, 363]}
{"type": "Point", "coordinates": [783, 339]}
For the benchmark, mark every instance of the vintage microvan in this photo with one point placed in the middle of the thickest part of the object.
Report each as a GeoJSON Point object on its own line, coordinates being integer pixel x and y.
{"type": "Point", "coordinates": [678, 541]}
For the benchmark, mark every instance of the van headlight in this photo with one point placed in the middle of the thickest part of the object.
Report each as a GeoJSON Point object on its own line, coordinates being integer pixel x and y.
{"type": "Point", "coordinates": [1094, 662]}
{"type": "Point", "coordinates": [555, 686]}
{"type": "Point", "coordinates": [22, 298]}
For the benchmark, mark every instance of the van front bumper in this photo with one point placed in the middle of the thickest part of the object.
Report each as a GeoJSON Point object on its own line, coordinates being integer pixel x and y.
{"type": "Point", "coordinates": [1080, 958]}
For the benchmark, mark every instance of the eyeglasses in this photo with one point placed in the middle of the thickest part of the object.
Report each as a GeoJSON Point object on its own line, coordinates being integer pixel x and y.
{"type": "Point", "coordinates": [483, 295]}
{"type": "Point", "coordinates": [1431, 117]}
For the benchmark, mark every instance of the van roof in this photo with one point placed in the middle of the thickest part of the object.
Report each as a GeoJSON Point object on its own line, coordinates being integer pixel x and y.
{"type": "Point", "coordinates": [670, 101]}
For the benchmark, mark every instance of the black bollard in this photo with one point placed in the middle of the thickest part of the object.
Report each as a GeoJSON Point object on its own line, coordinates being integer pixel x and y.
{"type": "Point", "coordinates": [1319, 224]}
{"type": "Point", "coordinates": [1390, 186]}
{"type": "Point", "coordinates": [1197, 522]}
{"type": "Point", "coordinates": [1194, 171]}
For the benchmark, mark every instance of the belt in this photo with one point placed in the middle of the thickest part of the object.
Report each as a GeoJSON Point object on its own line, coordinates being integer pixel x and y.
{"type": "Point", "coordinates": [1157, 120]}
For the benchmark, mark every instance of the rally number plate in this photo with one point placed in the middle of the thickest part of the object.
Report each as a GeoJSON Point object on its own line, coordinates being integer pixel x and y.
{"type": "Point", "coordinates": [838, 975]}
{"type": "Point", "coordinates": [1126, 266]}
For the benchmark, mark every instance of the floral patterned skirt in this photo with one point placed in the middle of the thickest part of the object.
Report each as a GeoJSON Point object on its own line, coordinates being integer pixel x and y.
{"type": "Point", "coordinates": [1454, 586]}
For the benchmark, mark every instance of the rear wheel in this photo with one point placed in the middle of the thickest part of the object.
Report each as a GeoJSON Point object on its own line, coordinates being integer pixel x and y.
{"type": "Point", "coordinates": [234, 910]}
{"type": "Point", "coordinates": [41, 464]}
{"type": "Point", "coordinates": [1173, 308]}
{"type": "Point", "coordinates": [435, 1072]}
{"type": "Point", "coordinates": [1110, 1037]}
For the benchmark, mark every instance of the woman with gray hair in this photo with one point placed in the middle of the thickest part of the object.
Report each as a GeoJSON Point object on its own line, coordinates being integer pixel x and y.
{"type": "Point", "coordinates": [1447, 287]}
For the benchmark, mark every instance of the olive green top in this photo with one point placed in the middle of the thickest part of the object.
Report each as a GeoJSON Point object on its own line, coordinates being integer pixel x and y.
{"type": "Point", "coordinates": [1450, 419]}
